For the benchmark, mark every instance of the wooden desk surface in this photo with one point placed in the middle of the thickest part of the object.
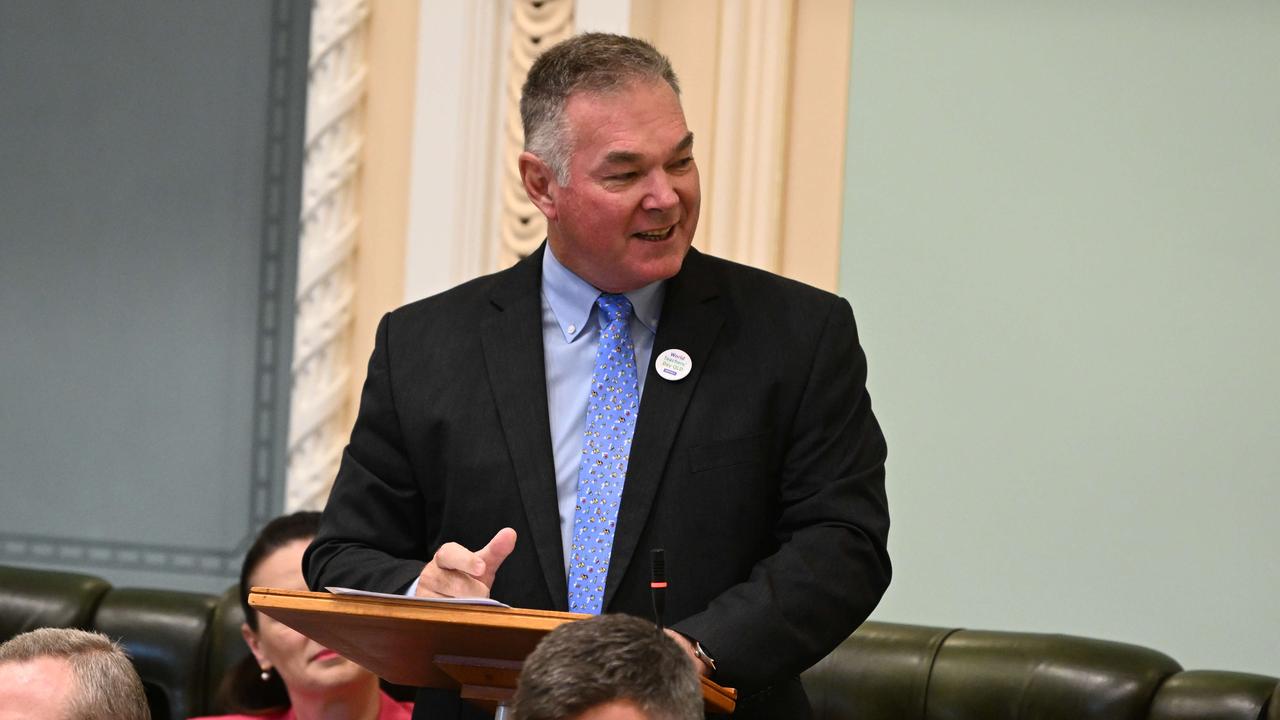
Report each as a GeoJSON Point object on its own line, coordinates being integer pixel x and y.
{"type": "Point", "coordinates": [399, 639]}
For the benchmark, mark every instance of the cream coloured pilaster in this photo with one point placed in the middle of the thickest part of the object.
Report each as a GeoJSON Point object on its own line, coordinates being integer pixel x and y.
{"type": "Point", "coordinates": [535, 26]}
{"type": "Point", "coordinates": [743, 187]}
{"type": "Point", "coordinates": [458, 137]}
{"type": "Point", "coordinates": [765, 84]}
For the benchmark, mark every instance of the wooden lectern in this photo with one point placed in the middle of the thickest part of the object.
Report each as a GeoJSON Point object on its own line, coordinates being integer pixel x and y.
{"type": "Point", "coordinates": [475, 649]}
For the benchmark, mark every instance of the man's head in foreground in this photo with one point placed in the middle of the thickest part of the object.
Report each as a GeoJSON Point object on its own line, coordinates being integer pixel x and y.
{"type": "Point", "coordinates": [609, 667]}
{"type": "Point", "coordinates": [609, 160]}
{"type": "Point", "coordinates": [66, 674]}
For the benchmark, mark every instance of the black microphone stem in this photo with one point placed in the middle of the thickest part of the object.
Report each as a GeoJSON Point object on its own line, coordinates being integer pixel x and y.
{"type": "Point", "coordinates": [658, 584]}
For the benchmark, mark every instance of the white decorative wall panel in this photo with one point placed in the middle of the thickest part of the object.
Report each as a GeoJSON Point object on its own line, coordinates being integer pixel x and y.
{"type": "Point", "coordinates": [536, 25]}
{"type": "Point", "coordinates": [319, 417]}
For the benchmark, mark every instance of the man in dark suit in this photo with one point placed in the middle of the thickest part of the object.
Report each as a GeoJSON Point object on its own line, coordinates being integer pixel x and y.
{"type": "Point", "coordinates": [531, 435]}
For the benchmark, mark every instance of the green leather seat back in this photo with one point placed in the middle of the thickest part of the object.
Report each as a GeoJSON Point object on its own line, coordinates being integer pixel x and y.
{"type": "Point", "coordinates": [166, 633]}
{"type": "Point", "coordinates": [226, 643]}
{"type": "Point", "coordinates": [981, 675]}
{"type": "Point", "coordinates": [888, 671]}
{"type": "Point", "coordinates": [1213, 695]}
{"type": "Point", "coordinates": [881, 672]}
{"type": "Point", "coordinates": [31, 599]}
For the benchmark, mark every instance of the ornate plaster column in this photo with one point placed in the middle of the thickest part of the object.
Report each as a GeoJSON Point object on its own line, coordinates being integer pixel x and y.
{"type": "Point", "coordinates": [319, 418]}
{"type": "Point", "coordinates": [536, 25]}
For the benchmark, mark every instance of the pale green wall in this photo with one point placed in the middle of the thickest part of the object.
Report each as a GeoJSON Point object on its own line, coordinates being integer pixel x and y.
{"type": "Point", "coordinates": [1062, 242]}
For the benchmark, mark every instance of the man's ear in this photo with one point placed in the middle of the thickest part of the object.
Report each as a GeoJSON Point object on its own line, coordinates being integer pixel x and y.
{"type": "Point", "coordinates": [539, 183]}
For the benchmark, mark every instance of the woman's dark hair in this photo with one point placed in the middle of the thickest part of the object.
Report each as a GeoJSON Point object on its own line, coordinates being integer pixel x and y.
{"type": "Point", "coordinates": [243, 690]}
{"type": "Point", "coordinates": [302, 525]}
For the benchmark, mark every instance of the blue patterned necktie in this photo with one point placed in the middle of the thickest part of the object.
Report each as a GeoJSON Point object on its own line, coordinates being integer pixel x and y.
{"type": "Point", "coordinates": [612, 406]}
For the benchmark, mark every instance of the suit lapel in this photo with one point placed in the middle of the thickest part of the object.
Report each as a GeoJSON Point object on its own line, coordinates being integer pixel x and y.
{"type": "Point", "coordinates": [512, 337]}
{"type": "Point", "coordinates": [691, 318]}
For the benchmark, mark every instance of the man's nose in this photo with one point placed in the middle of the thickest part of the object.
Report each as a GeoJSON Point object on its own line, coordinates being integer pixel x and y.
{"type": "Point", "coordinates": [661, 194]}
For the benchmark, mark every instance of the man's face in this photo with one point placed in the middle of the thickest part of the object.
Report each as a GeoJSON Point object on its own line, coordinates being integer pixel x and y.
{"type": "Point", "coordinates": [39, 689]}
{"type": "Point", "coordinates": [627, 216]}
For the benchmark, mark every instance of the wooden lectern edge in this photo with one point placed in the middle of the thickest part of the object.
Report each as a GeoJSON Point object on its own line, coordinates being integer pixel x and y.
{"type": "Point", "coordinates": [409, 608]}
{"type": "Point", "coordinates": [717, 696]}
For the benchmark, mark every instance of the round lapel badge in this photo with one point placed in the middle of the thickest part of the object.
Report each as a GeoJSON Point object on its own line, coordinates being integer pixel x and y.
{"type": "Point", "coordinates": [673, 365]}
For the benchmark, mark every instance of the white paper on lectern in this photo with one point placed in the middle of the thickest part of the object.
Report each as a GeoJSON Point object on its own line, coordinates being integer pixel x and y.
{"type": "Point", "coordinates": [447, 601]}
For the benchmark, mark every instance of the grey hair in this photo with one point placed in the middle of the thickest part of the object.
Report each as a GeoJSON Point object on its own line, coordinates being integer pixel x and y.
{"type": "Point", "coordinates": [108, 686]}
{"type": "Point", "coordinates": [593, 63]}
{"type": "Point", "coordinates": [581, 665]}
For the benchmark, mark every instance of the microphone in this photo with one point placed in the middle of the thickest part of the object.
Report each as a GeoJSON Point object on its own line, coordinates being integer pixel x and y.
{"type": "Point", "coordinates": [658, 584]}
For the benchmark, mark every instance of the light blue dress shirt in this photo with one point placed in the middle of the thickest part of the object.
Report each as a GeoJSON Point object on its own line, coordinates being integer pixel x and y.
{"type": "Point", "coordinates": [570, 334]}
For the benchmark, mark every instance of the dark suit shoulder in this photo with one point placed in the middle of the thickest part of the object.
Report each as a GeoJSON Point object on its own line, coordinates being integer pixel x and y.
{"type": "Point", "coordinates": [459, 307]}
{"type": "Point", "coordinates": [786, 307]}
{"type": "Point", "coordinates": [739, 278]}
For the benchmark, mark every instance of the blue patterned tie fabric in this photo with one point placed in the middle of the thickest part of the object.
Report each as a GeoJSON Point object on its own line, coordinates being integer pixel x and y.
{"type": "Point", "coordinates": [612, 406]}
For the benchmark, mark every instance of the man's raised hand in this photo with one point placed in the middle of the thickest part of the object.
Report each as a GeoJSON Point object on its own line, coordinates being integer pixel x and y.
{"type": "Point", "coordinates": [455, 571]}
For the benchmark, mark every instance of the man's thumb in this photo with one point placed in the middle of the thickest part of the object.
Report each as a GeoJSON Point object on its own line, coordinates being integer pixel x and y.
{"type": "Point", "coordinates": [497, 550]}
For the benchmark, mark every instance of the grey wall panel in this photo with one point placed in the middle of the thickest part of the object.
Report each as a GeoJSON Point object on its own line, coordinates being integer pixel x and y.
{"type": "Point", "coordinates": [150, 163]}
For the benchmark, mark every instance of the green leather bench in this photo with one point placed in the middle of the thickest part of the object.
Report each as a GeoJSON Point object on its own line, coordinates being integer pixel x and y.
{"type": "Point", "coordinates": [888, 671]}
{"type": "Point", "coordinates": [31, 599]}
{"type": "Point", "coordinates": [184, 643]}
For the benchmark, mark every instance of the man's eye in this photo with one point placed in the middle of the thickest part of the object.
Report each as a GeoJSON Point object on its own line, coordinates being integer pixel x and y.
{"type": "Point", "coordinates": [623, 177]}
{"type": "Point", "coordinates": [682, 163]}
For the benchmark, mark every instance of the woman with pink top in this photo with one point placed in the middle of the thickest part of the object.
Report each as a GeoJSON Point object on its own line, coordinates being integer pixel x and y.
{"type": "Point", "coordinates": [289, 676]}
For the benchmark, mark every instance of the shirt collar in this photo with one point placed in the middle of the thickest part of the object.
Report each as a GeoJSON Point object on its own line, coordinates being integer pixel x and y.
{"type": "Point", "coordinates": [571, 298]}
